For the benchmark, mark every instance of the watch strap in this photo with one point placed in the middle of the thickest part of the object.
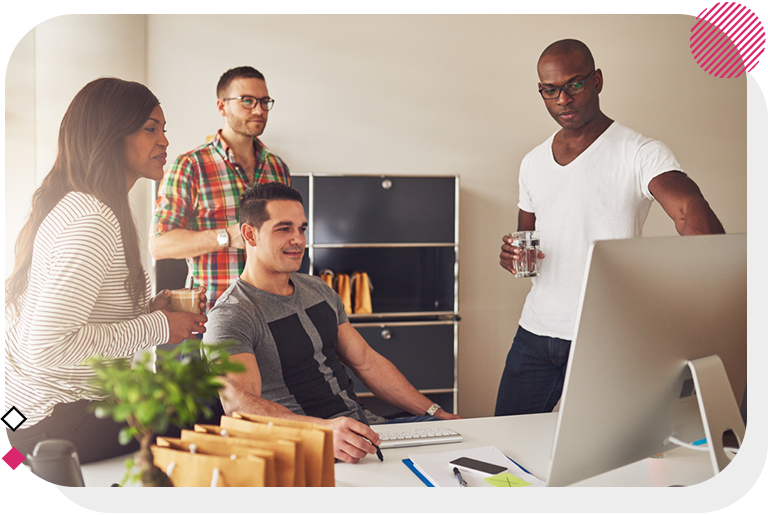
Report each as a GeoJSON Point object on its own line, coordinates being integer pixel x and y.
{"type": "Point", "coordinates": [433, 409]}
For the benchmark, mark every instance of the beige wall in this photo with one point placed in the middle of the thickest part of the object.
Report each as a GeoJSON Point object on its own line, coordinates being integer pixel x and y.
{"type": "Point", "coordinates": [433, 94]}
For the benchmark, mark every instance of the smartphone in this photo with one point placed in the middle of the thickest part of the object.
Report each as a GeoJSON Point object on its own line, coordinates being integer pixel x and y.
{"type": "Point", "coordinates": [478, 467]}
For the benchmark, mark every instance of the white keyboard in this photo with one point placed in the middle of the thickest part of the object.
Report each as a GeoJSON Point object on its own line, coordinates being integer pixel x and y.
{"type": "Point", "coordinates": [415, 437]}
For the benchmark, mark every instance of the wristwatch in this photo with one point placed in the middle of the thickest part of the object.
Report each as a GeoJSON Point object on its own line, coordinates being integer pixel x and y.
{"type": "Point", "coordinates": [223, 238]}
{"type": "Point", "coordinates": [433, 409]}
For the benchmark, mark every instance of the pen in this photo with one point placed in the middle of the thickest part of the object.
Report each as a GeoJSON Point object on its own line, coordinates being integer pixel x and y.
{"type": "Point", "coordinates": [458, 477]}
{"type": "Point", "coordinates": [364, 420]}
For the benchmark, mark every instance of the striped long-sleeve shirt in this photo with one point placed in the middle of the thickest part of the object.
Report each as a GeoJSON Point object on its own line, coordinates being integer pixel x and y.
{"type": "Point", "coordinates": [76, 306]}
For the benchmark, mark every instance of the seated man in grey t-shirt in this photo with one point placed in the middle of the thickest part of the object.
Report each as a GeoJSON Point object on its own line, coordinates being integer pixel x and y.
{"type": "Point", "coordinates": [293, 337]}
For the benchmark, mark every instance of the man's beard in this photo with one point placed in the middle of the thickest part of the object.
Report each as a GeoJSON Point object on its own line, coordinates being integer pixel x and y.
{"type": "Point", "coordinates": [240, 126]}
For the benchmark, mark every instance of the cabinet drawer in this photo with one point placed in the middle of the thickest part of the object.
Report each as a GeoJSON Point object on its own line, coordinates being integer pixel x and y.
{"type": "Point", "coordinates": [363, 210]}
{"type": "Point", "coordinates": [423, 353]}
{"type": "Point", "coordinates": [301, 184]}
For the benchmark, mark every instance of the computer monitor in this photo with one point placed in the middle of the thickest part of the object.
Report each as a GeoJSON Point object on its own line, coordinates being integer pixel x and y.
{"type": "Point", "coordinates": [648, 306]}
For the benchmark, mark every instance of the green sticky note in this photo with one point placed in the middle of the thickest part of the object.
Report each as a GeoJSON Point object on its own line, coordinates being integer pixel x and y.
{"type": "Point", "coordinates": [506, 479]}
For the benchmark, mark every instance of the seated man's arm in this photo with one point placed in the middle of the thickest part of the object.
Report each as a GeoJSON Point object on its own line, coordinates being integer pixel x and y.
{"type": "Point", "coordinates": [242, 392]}
{"type": "Point", "coordinates": [381, 377]}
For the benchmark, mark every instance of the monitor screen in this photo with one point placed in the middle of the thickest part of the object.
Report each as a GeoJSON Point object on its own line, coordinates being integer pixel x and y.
{"type": "Point", "coordinates": [648, 305]}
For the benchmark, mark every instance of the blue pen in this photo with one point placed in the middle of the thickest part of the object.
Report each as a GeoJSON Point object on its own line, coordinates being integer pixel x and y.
{"type": "Point", "coordinates": [516, 463]}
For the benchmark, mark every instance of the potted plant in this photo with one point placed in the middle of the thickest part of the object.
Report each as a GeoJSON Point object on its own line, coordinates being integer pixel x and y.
{"type": "Point", "coordinates": [175, 392]}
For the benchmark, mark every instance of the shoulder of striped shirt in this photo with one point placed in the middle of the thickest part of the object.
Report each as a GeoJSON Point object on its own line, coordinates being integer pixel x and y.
{"type": "Point", "coordinates": [78, 205]}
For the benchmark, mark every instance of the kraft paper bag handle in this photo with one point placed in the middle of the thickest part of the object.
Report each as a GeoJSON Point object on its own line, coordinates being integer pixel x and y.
{"type": "Point", "coordinates": [289, 460]}
{"type": "Point", "coordinates": [225, 447]}
{"type": "Point", "coordinates": [361, 286]}
{"type": "Point", "coordinates": [318, 448]}
{"type": "Point", "coordinates": [187, 469]}
{"type": "Point", "coordinates": [291, 467]}
{"type": "Point", "coordinates": [327, 276]}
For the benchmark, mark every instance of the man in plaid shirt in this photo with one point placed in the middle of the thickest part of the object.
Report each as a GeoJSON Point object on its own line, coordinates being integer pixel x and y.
{"type": "Point", "coordinates": [196, 213]}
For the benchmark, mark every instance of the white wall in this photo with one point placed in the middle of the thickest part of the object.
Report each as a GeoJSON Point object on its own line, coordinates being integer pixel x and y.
{"type": "Point", "coordinates": [433, 94]}
{"type": "Point", "coordinates": [49, 66]}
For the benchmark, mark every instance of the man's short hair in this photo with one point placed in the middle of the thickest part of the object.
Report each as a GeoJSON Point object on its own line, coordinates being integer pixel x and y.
{"type": "Point", "coordinates": [235, 73]}
{"type": "Point", "coordinates": [569, 46]}
{"type": "Point", "coordinates": [253, 201]}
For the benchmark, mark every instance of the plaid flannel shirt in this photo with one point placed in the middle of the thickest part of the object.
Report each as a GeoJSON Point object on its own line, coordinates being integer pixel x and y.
{"type": "Point", "coordinates": [201, 191]}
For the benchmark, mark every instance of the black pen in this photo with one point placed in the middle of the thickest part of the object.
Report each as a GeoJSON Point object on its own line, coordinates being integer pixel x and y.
{"type": "Point", "coordinates": [458, 477]}
{"type": "Point", "coordinates": [364, 420]}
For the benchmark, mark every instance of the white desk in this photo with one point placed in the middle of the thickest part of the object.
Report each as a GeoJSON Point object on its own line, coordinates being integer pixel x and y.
{"type": "Point", "coordinates": [527, 439]}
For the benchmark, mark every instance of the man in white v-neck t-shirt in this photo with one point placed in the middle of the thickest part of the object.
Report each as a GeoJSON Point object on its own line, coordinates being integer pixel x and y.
{"type": "Point", "coordinates": [592, 180]}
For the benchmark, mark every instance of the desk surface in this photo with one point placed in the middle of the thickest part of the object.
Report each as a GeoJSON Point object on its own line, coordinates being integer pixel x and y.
{"type": "Point", "coordinates": [527, 439]}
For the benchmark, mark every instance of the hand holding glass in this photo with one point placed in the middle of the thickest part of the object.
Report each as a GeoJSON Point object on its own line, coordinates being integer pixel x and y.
{"type": "Point", "coordinates": [528, 243]}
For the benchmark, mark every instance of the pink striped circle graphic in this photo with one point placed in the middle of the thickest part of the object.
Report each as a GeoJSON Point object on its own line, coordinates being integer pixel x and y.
{"type": "Point", "coordinates": [727, 40]}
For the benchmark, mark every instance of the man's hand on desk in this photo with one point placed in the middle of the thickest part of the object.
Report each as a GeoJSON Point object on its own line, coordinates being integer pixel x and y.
{"type": "Point", "coordinates": [352, 440]}
{"type": "Point", "coordinates": [441, 413]}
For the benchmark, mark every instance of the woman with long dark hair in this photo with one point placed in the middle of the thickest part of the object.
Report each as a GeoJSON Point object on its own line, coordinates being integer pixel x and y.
{"type": "Point", "coordinates": [78, 288]}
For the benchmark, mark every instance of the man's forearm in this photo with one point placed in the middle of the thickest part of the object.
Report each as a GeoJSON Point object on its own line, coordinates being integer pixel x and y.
{"type": "Point", "coordinates": [698, 218]}
{"type": "Point", "coordinates": [387, 383]}
{"type": "Point", "coordinates": [183, 243]}
{"type": "Point", "coordinates": [248, 403]}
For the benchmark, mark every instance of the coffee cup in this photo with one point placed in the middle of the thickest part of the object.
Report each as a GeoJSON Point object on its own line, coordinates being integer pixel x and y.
{"type": "Point", "coordinates": [186, 300]}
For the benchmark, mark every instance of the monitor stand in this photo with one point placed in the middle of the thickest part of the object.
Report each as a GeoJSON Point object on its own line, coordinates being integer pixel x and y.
{"type": "Point", "coordinates": [719, 411]}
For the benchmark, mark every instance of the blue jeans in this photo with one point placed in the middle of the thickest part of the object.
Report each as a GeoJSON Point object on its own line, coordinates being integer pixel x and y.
{"type": "Point", "coordinates": [533, 376]}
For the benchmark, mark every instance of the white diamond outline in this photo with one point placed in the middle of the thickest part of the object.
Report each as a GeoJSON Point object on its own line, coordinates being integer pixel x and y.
{"type": "Point", "coordinates": [20, 414]}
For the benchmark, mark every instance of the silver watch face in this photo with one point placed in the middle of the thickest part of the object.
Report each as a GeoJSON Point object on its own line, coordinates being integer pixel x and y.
{"type": "Point", "coordinates": [223, 238]}
{"type": "Point", "coordinates": [433, 409]}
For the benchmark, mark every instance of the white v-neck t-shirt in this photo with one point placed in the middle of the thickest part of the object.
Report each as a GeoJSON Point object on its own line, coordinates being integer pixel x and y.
{"type": "Point", "coordinates": [602, 194]}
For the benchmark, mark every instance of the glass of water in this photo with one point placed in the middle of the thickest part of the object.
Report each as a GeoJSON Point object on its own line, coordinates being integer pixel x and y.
{"type": "Point", "coordinates": [528, 243]}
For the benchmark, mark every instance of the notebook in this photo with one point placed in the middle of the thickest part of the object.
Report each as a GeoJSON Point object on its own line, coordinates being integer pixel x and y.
{"type": "Point", "coordinates": [435, 469]}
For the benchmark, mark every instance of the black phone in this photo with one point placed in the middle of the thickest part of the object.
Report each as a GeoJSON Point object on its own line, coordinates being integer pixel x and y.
{"type": "Point", "coordinates": [478, 467]}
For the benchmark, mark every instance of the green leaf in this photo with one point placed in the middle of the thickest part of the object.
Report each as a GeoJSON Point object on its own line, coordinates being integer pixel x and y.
{"type": "Point", "coordinates": [102, 411]}
{"type": "Point", "coordinates": [133, 395]}
{"type": "Point", "coordinates": [125, 435]}
{"type": "Point", "coordinates": [146, 411]}
{"type": "Point", "coordinates": [121, 412]}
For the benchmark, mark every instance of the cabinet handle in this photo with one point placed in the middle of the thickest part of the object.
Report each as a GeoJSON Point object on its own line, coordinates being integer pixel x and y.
{"type": "Point", "coordinates": [386, 184]}
{"type": "Point", "coordinates": [386, 334]}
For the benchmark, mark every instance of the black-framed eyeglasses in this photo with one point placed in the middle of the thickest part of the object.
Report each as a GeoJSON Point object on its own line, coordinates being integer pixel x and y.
{"type": "Point", "coordinates": [572, 88]}
{"type": "Point", "coordinates": [249, 102]}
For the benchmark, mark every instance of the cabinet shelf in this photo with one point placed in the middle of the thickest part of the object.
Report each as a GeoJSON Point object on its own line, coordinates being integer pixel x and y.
{"type": "Point", "coordinates": [413, 317]}
{"type": "Point", "coordinates": [378, 245]}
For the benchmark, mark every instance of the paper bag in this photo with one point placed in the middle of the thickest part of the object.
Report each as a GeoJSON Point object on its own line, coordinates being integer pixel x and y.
{"type": "Point", "coordinates": [344, 291]}
{"type": "Point", "coordinates": [240, 427]}
{"type": "Point", "coordinates": [361, 290]}
{"type": "Point", "coordinates": [317, 440]}
{"type": "Point", "coordinates": [225, 447]}
{"type": "Point", "coordinates": [198, 469]}
{"type": "Point", "coordinates": [327, 276]}
{"type": "Point", "coordinates": [289, 461]}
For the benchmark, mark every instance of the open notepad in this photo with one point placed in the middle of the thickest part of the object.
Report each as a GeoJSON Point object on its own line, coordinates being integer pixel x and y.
{"type": "Point", "coordinates": [435, 469]}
